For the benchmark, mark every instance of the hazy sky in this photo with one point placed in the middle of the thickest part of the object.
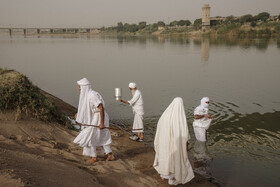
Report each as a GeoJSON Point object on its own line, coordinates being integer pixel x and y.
{"type": "Point", "coordinates": [97, 13]}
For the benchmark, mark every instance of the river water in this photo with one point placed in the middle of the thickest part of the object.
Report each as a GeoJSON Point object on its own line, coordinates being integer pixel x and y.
{"type": "Point", "coordinates": [240, 76]}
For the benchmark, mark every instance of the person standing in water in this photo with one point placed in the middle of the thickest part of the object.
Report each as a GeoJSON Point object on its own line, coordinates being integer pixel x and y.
{"type": "Point", "coordinates": [202, 119]}
{"type": "Point", "coordinates": [138, 110]}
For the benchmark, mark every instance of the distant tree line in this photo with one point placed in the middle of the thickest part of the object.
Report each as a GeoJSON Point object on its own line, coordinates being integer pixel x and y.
{"type": "Point", "coordinates": [143, 26]}
{"type": "Point", "coordinates": [126, 27]}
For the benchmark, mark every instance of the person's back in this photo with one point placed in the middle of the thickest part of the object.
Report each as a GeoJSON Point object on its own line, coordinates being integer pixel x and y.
{"type": "Point", "coordinates": [172, 135]}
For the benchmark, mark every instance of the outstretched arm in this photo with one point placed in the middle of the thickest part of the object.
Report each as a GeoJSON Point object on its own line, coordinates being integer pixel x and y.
{"type": "Point", "coordinates": [124, 101]}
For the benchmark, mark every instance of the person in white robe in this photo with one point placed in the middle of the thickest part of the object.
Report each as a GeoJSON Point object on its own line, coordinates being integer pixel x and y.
{"type": "Point", "coordinates": [170, 144]}
{"type": "Point", "coordinates": [138, 110]}
{"type": "Point", "coordinates": [94, 121]}
{"type": "Point", "coordinates": [202, 119]}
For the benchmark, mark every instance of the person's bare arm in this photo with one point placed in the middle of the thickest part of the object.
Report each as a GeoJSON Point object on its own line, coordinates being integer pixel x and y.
{"type": "Point", "coordinates": [102, 116]}
{"type": "Point", "coordinates": [124, 101]}
{"type": "Point", "coordinates": [202, 116]}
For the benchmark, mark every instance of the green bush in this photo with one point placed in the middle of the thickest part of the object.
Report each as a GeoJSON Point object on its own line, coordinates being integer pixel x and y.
{"type": "Point", "coordinates": [19, 94]}
{"type": "Point", "coordinates": [223, 29]}
{"type": "Point", "coordinates": [277, 29]}
{"type": "Point", "coordinates": [253, 24]}
{"type": "Point", "coordinates": [246, 18]}
{"type": "Point", "coordinates": [261, 16]}
{"type": "Point", "coordinates": [264, 32]}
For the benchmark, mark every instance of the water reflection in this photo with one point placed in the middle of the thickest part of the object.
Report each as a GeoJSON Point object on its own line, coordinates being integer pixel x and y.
{"type": "Point", "coordinates": [205, 46]}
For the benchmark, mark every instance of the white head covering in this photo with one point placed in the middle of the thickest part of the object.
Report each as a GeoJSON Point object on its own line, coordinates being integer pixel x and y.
{"type": "Point", "coordinates": [83, 82]}
{"type": "Point", "coordinates": [203, 103]}
{"type": "Point", "coordinates": [85, 111]}
{"type": "Point", "coordinates": [132, 85]}
{"type": "Point", "coordinates": [170, 143]}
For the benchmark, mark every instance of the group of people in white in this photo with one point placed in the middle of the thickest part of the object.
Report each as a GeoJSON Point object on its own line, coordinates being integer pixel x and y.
{"type": "Point", "coordinates": [171, 139]}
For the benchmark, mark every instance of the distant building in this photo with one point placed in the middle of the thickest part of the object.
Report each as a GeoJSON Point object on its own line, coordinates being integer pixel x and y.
{"type": "Point", "coordinates": [206, 16]}
{"type": "Point", "coordinates": [207, 21]}
{"type": "Point", "coordinates": [273, 18]}
{"type": "Point", "coordinates": [160, 28]}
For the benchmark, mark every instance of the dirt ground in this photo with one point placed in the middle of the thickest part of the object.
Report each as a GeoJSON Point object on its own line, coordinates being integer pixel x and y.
{"type": "Point", "coordinates": [35, 153]}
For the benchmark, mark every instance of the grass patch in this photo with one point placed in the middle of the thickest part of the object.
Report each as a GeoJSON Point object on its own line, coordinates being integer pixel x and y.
{"type": "Point", "coordinates": [19, 94]}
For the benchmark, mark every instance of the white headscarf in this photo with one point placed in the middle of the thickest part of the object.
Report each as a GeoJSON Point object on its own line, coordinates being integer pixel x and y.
{"type": "Point", "coordinates": [132, 85]}
{"type": "Point", "coordinates": [83, 82]}
{"type": "Point", "coordinates": [170, 143]}
{"type": "Point", "coordinates": [203, 103]}
{"type": "Point", "coordinates": [85, 110]}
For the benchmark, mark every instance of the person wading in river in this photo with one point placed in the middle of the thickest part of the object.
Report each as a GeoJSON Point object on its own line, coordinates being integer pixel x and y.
{"type": "Point", "coordinates": [138, 110]}
{"type": "Point", "coordinates": [202, 119]}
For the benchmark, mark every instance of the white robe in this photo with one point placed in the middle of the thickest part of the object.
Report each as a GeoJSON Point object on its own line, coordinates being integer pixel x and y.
{"type": "Point", "coordinates": [202, 124]}
{"type": "Point", "coordinates": [89, 114]}
{"type": "Point", "coordinates": [170, 144]}
{"type": "Point", "coordinates": [138, 110]}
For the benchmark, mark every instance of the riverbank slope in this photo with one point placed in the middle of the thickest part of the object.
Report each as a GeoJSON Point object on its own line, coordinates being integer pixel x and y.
{"type": "Point", "coordinates": [38, 150]}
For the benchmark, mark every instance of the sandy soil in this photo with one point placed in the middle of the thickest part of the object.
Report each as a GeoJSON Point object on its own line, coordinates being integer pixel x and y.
{"type": "Point", "coordinates": [35, 153]}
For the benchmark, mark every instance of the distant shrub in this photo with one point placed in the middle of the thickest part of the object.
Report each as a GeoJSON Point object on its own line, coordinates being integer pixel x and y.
{"type": "Point", "coordinates": [264, 32]}
{"type": "Point", "coordinates": [246, 18]}
{"type": "Point", "coordinates": [277, 29]}
{"type": "Point", "coordinates": [261, 16]}
{"type": "Point", "coordinates": [223, 29]}
{"type": "Point", "coordinates": [253, 24]}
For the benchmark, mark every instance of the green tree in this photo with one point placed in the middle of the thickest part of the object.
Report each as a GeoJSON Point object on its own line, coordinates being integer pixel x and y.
{"type": "Point", "coordinates": [184, 22]}
{"type": "Point", "coordinates": [279, 17]}
{"type": "Point", "coordinates": [246, 18]}
{"type": "Point", "coordinates": [197, 22]}
{"type": "Point", "coordinates": [173, 23]}
{"type": "Point", "coordinates": [142, 25]}
{"type": "Point", "coordinates": [262, 16]}
{"type": "Point", "coordinates": [126, 27]}
{"type": "Point", "coordinates": [161, 24]}
{"type": "Point", "coordinates": [133, 28]}
{"type": "Point", "coordinates": [229, 19]}
{"type": "Point", "coordinates": [120, 27]}
{"type": "Point", "coordinates": [188, 22]}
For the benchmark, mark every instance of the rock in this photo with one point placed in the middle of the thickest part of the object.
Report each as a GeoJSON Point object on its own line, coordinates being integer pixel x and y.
{"type": "Point", "coordinates": [13, 137]}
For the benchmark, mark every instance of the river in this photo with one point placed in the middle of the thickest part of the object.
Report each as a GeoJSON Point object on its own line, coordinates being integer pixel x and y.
{"type": "Point", "coordinates": [240, 76]}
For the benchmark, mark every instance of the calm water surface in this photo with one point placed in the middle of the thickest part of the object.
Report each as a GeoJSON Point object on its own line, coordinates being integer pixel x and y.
{"type": "Point", "coordinates": [241, 77]}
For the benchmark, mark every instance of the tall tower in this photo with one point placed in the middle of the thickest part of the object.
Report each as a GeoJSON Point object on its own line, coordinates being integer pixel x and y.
{"type": "Point", "coordinates": [206, 16]}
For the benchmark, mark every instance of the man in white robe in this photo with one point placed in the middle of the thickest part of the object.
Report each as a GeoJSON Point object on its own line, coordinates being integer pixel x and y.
{"type": "Point", "coordinates": [95, 122]}
{"type": "Point", "coordinates": [138, 110]}
{"type": "Point", "coordinates": [202, 119]}
{"type": "Point", "coordinates": [170, 144]}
